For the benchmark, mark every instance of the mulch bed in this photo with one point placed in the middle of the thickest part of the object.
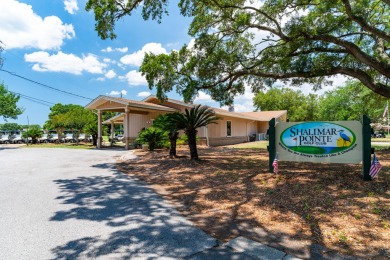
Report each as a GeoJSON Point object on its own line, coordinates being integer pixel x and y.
{"type": "Point", "coordinates": [229, 193]}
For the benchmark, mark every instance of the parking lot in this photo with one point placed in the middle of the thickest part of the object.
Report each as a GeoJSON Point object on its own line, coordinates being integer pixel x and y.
{"type": "Point", "coordinates": [68, 204]}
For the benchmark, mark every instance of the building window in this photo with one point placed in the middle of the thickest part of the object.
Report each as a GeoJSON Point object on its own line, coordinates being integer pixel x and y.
{"type": "Point", "coordinates": [228, 128]}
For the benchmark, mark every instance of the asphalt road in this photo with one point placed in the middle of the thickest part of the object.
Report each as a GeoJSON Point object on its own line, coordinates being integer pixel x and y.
{"type": "Point", "coordinates": [74, 204]}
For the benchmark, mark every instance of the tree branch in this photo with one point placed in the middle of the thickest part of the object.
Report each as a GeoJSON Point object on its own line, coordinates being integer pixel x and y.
{"type": "Point", "coordinates": [318, 49]}
{"type": "Point", "coordinates": [364, 24]}
{"type": "Point", "coordinates": [355, 51]}
{"type": "Point", "coordinates": [364, 77]}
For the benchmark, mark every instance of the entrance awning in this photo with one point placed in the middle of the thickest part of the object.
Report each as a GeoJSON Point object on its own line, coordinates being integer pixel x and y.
{"type": "Point", "coordinates": [113, 104]}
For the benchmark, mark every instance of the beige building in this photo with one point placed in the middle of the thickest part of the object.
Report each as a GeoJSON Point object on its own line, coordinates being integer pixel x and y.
{"type": "Point", "coordinates": [232, 128]}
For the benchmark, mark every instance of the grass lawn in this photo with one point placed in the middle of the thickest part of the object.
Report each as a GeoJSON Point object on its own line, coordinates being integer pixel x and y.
{"type": "Point", "coordinates": [230, 193]}
{"type": "Point", "coordinates": [387, 139]}
{"type": "Point", "coordinates": [66, 145]}
{"type": "Point", "coordinates": [251, 145]}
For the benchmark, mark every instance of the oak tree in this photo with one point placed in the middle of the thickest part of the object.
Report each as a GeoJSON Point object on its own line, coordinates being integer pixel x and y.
{"type": "Point", "coordinates": [240, 42]}
{"type": "Point", "coordinates": [8, 104]}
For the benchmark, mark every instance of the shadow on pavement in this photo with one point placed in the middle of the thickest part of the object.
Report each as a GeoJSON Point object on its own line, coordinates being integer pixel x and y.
{"type": "Point", "coordinates": [141, 223]}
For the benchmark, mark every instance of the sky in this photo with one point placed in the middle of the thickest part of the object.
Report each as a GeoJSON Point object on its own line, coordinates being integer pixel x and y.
{"type": "Point", "coordinates": [53, 45]}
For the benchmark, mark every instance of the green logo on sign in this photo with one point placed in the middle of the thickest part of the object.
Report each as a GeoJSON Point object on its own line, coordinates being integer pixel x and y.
{"type": "Point", "coordinates": [318, 138]}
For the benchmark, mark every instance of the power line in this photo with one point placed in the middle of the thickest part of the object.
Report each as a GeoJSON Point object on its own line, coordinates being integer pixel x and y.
{"type": "Point", "coordinates": [36, 100]}
{"type": "Point", "coordinates": [44, 85]}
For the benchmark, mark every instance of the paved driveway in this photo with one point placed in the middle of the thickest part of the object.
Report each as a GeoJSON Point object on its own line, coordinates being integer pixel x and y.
{"type": "Point", "coordinates": [69, 204]}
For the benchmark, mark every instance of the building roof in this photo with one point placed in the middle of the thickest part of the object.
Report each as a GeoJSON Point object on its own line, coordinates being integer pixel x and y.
{"type": "Point", "coordinates": [94, 104]}
{"type": "Point", "coordinates": [265, 115]}
{"type": "Point", "coordinates": [116, 119]}
{"type": "Point", "coordinates": [146, 104]}
{"type": "Point", "coordinates": [257, 116]}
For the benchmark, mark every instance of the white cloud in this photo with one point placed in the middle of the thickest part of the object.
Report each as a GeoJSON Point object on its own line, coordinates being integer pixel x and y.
{"type": "Point", "coordinates": [144, 94]}
{"type": "Point", "coordinates": [110, 74]}
{"type": "Point", "coordinates": [337, 81]}
{"type": "Point", "coordinates": [136, 58]}
{"type": "Point", "coordinates": [118, 93]}
{"type": "Point", "coordinates": [110, 49]}
{"type": "Point", "coordinates": [242, 103]}
{"type": "Point", "coordinates": [62, 62]}
{"type": "Point", "coordinates": [191, 44]}
{"type": "Point", "coordinates": [22, 28]}
{"type": "Point", "coordinates": [202, 97]}
{"type": "Point", "coordinates": [124, 49]}
{"type": "Point", "coordinates": [71, 6]}
{"type": "Point", "coordinates": [134, 78]}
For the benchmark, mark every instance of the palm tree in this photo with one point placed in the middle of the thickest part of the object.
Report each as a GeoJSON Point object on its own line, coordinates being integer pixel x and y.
{"type": "Point", "coordinates": [192, 119]}
{"type": "Point", "coordinates": [34, 132]}
{"type": "Point", "coordinates": [154, 137]}
{"type": "Point", "coordinates": [167, 124]}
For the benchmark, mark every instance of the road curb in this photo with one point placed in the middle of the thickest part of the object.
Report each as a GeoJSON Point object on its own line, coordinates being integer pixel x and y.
{"type": "Point", "coordinates": [258, 250]}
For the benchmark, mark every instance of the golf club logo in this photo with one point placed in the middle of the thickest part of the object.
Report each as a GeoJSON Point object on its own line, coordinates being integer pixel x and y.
{"type": "Point", "coordinates": [318, 138]}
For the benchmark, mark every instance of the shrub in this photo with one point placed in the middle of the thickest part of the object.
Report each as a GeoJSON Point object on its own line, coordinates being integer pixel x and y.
{"type": "Point", "coordinates": [34, 132]}
{"type": "Point", "coordinates": [152, 136]}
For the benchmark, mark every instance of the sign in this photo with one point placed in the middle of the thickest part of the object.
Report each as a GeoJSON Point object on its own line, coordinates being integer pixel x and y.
{"type": "Point", "coordinates": [333, 142]}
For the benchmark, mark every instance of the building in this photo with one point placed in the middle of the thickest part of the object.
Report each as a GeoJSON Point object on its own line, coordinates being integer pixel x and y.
{"type": "Point", "coordinates": [232, 128]}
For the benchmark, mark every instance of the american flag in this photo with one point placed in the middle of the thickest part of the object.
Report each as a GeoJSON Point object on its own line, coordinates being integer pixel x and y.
{"type": "Point", "coordinates": [375, 167]}
{"type": "Point", "coordinates": [275, 164]}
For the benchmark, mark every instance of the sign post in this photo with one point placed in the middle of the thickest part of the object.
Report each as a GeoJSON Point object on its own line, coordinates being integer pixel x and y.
{"type": "Point", "coordinates": [272, 144]}
{"type": "Point", "coordinates": [366, 148]}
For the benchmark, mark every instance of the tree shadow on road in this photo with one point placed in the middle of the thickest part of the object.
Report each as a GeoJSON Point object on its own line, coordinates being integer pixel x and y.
{"type": "Point", "coordinates": [140, 223]}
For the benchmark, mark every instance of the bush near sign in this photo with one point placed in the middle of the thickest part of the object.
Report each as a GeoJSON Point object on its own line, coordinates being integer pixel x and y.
{"type": "Point", "coordinates": [332, 142]}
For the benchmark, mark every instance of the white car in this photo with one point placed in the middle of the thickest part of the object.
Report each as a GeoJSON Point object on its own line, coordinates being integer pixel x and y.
{"type": "Point", "coordinates": [4, 138]}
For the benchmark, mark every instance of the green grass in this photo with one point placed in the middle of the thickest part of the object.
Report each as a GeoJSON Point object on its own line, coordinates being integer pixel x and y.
{"type": "Point", "coordinates": [68, 145]}
{"type": "Point", "coordinates": [387, 139]}
{"type": "Point", "coordinates": [380, 147]}
{"type": "Point", "coordinates": [250, 145]}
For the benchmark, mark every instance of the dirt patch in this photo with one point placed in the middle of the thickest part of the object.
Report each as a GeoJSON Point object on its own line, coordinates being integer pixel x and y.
{"type": "Point", "coordinates": [230, 193]}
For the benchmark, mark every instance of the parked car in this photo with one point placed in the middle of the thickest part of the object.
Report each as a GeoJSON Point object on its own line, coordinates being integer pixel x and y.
{"type": "Point", "coordinates": [117, 138]}
{"type": "Point", "coordinates": [16, 137]}
{"type": "Point", "coordinates": [85, 138]}
{"type": "Point", "coordinates": [378, 135]}
{"type": "Point", "coordinates": [4, 137]}
{"type": "Point", "coordinates": [44, 138]}
{"type": "Point", "coordinates": [69, 138]}
{"type": "Point", "coordinates": [54, 138]}
{"type": "Point", "coordinates": [81, 137]}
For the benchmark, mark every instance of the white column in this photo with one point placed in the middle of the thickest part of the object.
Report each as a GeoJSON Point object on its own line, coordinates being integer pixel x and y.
{"type": "Point", "coordinates": [126, 128]}
{"type": "Point", "coordinates": [247, 135]}
{"type": "Point", "coordinates": [112, 131]}
{"type": "Point", "coordinates": [100, 137]}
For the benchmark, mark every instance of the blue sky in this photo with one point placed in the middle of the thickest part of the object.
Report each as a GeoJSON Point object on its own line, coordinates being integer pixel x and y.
{"type": "Point", "coordinates": [54, 43]}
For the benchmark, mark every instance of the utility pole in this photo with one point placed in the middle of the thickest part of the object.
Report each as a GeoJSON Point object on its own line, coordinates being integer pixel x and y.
{"type": "Point", "coordinates": [28, 126]}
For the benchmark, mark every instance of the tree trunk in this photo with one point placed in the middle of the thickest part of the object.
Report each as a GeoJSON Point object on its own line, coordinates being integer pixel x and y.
{"type": "Point", "coordinates": [172, 139]}
{"type": "Point", "coordinates": [152, 145]}
{"type": "Point", "coordinates": [94, 140]}
{"type": "Point", "coordinates": [192, 144]}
